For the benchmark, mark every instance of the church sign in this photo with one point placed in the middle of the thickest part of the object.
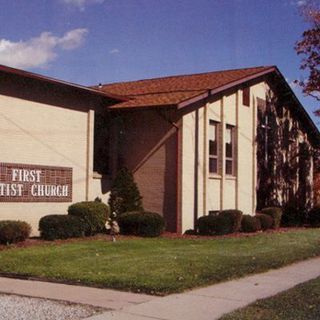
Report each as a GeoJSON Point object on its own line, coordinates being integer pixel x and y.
{"type": "Point", "coordinates": [35, 183]}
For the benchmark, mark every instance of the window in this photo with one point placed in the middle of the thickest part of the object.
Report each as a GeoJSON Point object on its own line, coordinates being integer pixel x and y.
{"type": "Point", "coordinates": [230, 148]}
{"type": "Point", "coordinates": [246, 96]}
{"type": "Point", "coordinates": [213, 147]}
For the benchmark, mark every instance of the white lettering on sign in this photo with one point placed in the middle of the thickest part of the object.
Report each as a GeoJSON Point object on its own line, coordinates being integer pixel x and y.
{"type": "Point", "coordinates": [35, 183]}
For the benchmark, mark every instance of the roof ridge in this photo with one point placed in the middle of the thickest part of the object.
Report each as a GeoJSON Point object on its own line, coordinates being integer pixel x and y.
{"type": "Point", "coordinates": [184, 75]}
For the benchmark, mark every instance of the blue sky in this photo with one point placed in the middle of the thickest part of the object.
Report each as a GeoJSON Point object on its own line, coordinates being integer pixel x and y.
{"type": "Point", "coordinates": [92, 41]}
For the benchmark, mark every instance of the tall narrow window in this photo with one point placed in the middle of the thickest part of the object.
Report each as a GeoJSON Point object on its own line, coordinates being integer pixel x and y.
{"type": "Point", "coordinates": [213, 147]}
{"type": "Point", "coordinates": [230, 148]}
{"type": "Point", "coordinates": [246, 96]}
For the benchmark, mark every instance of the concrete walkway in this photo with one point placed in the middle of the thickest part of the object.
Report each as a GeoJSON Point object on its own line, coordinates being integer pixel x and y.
{"type": "Point", "coordinates": [199, 304]}
{"type": "Point", "coordinates": [212, 302]}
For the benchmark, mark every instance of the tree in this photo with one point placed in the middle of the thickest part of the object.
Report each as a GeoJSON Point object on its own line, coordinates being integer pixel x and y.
{"type": "Point", "coordinates": [125, 195]}
{"type": "Point", "coordinates": [309, 48]}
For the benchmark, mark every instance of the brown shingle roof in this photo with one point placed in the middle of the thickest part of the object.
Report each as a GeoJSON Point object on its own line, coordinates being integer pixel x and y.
{"type": "Point", "coordinates": [176, 89]}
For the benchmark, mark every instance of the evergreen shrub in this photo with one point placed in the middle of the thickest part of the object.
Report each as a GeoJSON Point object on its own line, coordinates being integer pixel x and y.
{"type": "Point", "coordinates": [14, 231]}
{"type": "Point", "coordinates": [94, 215]}
{"type": "Point", "coordinates": [57, 226]}
{"type": "Point", "coordinates": [250, 223]}
{"type": "Point", "coordinates": [275, 213]}
{"type": "Point", "coordinates": [266, 221]}
{"type": "Point", "coordinates": [314, 217]}
{"type": "Point", "coordinates": [125, 195]}
{"type": "Point", "coordinates": [141, 223]}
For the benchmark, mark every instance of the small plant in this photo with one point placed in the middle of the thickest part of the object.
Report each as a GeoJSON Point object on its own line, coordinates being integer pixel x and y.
{"type": "Point", "coordinates": [266, 221]}
{"type": "Point", "coordinates": [125, 195]}
{"type": "Point", "coordinates": [250, 223]}
{"type": "Point", "coordinates": [145, 224]}
{"type": "Point", "coordinates": [275, 213]}
{"type": "Point", "coordinates": [94, 215]}
{"type": "Point", "coordinates": [190, 232]}
{"type": "Point", "coordinates": [14, 231]}
{"type": "Point", "coordinates": [61, 226]}
{"type": "Point", "coordinates": [314, 217]}
{"type": "Point", "coordinates": [112, 226]}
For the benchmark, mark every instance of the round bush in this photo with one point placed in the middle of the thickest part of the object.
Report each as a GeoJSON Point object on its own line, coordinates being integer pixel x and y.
{"type": "Point", "coordinates": [14, 231]}
{"type": "Point", "coordinates": [250, 224]}
{"type": "Point", "coordinates": [61, 226]}
{"type": "Point", "coordinates": [93, 213]}
{"type": "Point", "coordinates": [275, 213]}
{"type": "Point", "coordinates": [314, 217]}
{"type": "Point", "coordinates": [266, 221]}
{"type": "Point", "coordinates": [214, 225]}
{"type": "Point", "coordinates": [235, 219]}
{"type": "Point", "coordinates": [206, 225]}
{"type": "Point", "coordinates": [141, 223]}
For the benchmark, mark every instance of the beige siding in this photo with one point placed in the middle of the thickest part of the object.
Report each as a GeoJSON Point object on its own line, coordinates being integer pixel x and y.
{"type": "Point", "coordinates": [34, 133]}
{"type": "Point", "coordinates": [220, 191]}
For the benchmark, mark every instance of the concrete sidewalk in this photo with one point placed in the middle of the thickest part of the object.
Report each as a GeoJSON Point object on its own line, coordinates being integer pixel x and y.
{"type": "Point", "coordinates": [200, 304]}
{"type": "Point", "coordinates": [104, 298]}
{"type": "Point", "coordinates": [212, 302]}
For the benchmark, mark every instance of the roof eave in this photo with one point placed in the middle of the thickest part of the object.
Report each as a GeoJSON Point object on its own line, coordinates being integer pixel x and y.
{"type": "Point", "coordinates": [30, 75]}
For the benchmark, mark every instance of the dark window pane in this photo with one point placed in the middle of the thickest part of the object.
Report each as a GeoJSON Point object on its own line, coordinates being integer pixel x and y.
{"type": "Point", "coordinates": [228, 150]}
{"type": "Point", "coordinates": [229, 169]}
{"type": "Point", "coordinates": [246, 96]}
{"type": "Point", "coordinates": [213, 165]}
{"type": "Point", "coordinates": [213, 148]}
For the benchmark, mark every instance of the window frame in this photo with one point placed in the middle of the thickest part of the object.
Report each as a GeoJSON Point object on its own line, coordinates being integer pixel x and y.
{"type": "Point", "coordinates": [231, 158]}
{"type": "Point", "coordinates": [216, 156]}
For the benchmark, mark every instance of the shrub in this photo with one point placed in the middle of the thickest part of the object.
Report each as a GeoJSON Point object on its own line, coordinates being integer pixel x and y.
{"type": "Point", "coordinates": [139, 223]}
{"type": "Point", "coordinates": [125, 195]}
{"type": "Point", "coordinates": [214, 225]}
{"type": "Point", "coordinates": [314, 217]}
{"type": "Point", "coordinates": [235, 219]}
{"type": "Point", "coordinates": [94, 215]}
{"type": "Point", "coordinates": [57, 226]}
{"type": "Point", "coordinates": [275, 213]}
{"type": "Point", "coordinates": [190, 232]}
{"type": "Point", "coordinates": [266, 221]}
{"type": "Point", "coordinates": [14, 231]}
{"type": "Point", "coordinates": [293, 215]}
{"type": "Point", "coordinates": [250, 224]}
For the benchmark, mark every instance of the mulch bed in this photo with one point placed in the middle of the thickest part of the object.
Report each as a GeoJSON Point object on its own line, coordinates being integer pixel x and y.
{"type": "Point", "coordinates": [39, 242]}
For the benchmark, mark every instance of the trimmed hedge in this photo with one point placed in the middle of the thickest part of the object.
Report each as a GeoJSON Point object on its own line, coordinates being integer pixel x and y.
{"type": "Point", "coordinates": [57, 226]}
{"type": "Point", "coordinates": [266, 221]}
{"type": "Point", "coordinates": [314, 217]}
{"type": "Point", "coordinates": [275, 213]}
{"type": "Point", "coordinates": [214, 225]}
{"type": "Point", "coordinates": [234, 217]}
{"type": "Point", "coordinates": [250, 223]}
{"type": "Point", "coordinates": [14, 231]}
{"type": "Point", "coordinates": [141, 223]}
{"type": "Point", "coordinates": [94, 215]}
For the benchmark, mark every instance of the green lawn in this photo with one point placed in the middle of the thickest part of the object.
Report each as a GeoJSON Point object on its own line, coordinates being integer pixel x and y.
{"type": "Point", "coordinates": [160, 265]}
{"type": "Point", "coordinates": [300, 303]}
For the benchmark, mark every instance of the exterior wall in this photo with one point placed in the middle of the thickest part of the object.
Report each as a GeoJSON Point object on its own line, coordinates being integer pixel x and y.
{"type": "Point", "coordinates": [203, 192]}
{"type": "Point", "coordinates": [148, 147]}
{"type": "Point", "coordinates": [39, 134]}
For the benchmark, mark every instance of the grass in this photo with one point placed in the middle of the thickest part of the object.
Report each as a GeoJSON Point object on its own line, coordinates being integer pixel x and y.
{"type": "Point", "coordinates": [300, 303]}
{"type": "Point", "coordinates": [160, 265]}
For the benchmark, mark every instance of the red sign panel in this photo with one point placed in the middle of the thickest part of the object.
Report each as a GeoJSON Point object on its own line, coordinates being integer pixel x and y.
{"type": "Point", "coordinates": [35, 183]}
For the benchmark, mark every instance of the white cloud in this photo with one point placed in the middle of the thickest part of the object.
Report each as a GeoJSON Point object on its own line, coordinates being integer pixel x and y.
{"type": "Point", "coordinates": [39, 51]}
{"type": "Point", "coordinates": [299, 3]}
{"type": "Point", "coordinates": [114, 51]}
{"type": "Point", "coordinates": [81, 4]}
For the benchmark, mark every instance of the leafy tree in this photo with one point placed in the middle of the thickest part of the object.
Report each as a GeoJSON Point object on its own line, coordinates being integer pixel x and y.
{"type": "Point", "coordinates": [125, 195]}
{"type": "Point", "coordinates": [309, 48]}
